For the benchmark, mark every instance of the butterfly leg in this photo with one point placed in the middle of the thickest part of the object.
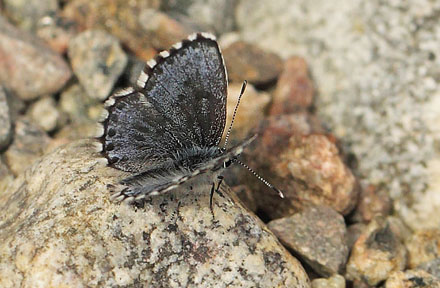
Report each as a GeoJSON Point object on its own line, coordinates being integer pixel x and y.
{"type": "Point", "coordinates": [211, 195]}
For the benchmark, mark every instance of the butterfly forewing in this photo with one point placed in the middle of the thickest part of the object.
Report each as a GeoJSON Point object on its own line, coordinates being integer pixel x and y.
{"type": "Point", "coordinates": [180, 103]}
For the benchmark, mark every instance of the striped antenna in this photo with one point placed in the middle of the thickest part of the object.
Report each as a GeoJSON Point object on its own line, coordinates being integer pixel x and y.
{"type": "Point", "coordinates": [280, 193]}
{"type": "Point", "coordinates": [243, 87]}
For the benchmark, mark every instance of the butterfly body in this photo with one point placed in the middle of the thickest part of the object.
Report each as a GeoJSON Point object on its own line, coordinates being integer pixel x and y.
{"type": "Point", "coordinates": [166, 131]}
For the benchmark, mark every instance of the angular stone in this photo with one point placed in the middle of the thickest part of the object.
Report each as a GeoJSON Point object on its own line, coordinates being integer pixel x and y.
{"type": "Point", "coordinates": [423, 246]}
{"type": "Point", "coordinates": [335, 281]}
{"type": "Point", "coordinates": [45, 114]}
{"type": "Point", "coordinates": [28, 67]}
{"type": "Point", "coordinates": [5, 120]}
{"type": "Point", "coordinates": [97, 60]}
{"type": "Point", "coordinates": [412, 279]}
{"type": "Point", "coordinates": [27, 13]}
{"type": "Point", "coordinates": [318, 234]}
{"type": "Point", "coordinates": [250, 112]}
{"type": "Point", "coordinates": [377, 253]}
{"type": "Point", "coordinates": [246, 61]}
{"type": "Point", "coordinates": [29, 144]}
{"type": "Point", "coordinates": [294, 90]}
{"type": "Point", "coordinates": [58, 221]}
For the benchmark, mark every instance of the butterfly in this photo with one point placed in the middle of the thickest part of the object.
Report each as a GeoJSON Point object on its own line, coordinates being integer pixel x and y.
{"type": "Point", "coordinates": [167, 129]}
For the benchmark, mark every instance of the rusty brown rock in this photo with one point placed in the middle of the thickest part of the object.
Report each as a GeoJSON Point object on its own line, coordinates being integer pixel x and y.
{"type": "Point", "coordinates": [318, 234]}
{"type": "Point", "coordinates": [353, 233]}
{"type": "Point", "coordinates": [28, 67]}
{"type": "Point", "coordinates": [294, 90]}
{"type": "Point", "coordinates": [377, 253]}
{"type": "Point", "coordinates": [246, 61]}
{"type": "Point", "coordinates": [56, 31]}
{"type": "Point", "coordinates": [423, 246]}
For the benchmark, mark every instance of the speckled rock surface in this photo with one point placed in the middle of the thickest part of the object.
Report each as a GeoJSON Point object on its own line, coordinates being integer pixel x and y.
{"type": "Point", "coordinates": [6, 176]}
{"type": "Point", "coordinates": [97, 60]}
{"type": "Point", "coordinates": [59, 227]}
{"type": "Point", "coordinates": [5, 120]}
{"type": "Point", "coordinates": [319, 235]}
{"type": "Point", "coordinates": [375, 64]}
{"type": "Point", "coordinates": [432, 267]}
{"type": "Point", "coordinates": [423, 246]}
{"type": "Point", "coordinates": [377, 253]}
{"type": "Point", "coordinates": [412, 279]}
{"type": "Point", "coordinates": [28, 67]}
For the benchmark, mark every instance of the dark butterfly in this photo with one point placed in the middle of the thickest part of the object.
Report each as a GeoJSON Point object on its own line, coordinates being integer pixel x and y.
{"type": "Point", "coordinates": [167, 130]}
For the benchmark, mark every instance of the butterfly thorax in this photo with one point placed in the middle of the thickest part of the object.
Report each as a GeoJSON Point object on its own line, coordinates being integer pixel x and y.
{"type": "Point", "coordinates": [192, 157]}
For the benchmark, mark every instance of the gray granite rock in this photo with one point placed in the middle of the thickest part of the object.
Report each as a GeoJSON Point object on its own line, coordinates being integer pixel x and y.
{"type": "Point", "coordinates": [319, 235]}
{"type": "Point", "coordinates": [28, 67]}
{"type": "Point", "coordinates": [27, 13]}
{"type": "Point", "coordinates": [59, 227]}
{"type": "Point", "coordinates": [5, 120]}
{"type": "Point", "coordinates": [376, 65]}
{"type": "Point", "coordinates": [97, 60]}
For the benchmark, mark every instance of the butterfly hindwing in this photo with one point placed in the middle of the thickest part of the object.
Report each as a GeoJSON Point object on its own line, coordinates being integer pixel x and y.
{"type": "Point", "coordinates": [158, 181]}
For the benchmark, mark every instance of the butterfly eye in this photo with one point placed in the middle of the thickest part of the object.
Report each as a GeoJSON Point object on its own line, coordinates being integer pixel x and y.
{"type": "Point", "coordinates": [226, 164]}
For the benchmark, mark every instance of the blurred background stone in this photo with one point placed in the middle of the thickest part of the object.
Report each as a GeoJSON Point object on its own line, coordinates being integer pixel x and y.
{"type": "Point", "coordinates": [56, 31]}
{"type": "Point", "coordinates": [27, 13]}
{"type": "Point", "coordinates": [294, 90]}
{"type": "Point", "coordinates": [372, 202]}
{"type": "Point", "coordinates": [319, 235]}
{"type": "Point", "coordinates": [97, 60]}
{"type": "Point", "coordinates": [246, 61]}
{"type": "Point", "coordinates": [45, 114]}
{"type": "Point", "coordinates": [432, 267]}
{"type": "Point", "coordinates": [375, 65]}
{"type": "Point", "coordinates": [5, 120]}
{"type": "Point", "coordinates": [29, 144]}
{"type": "Point", "coordinates": [250, 112]}
{"type": "Point", "coordinates": [423, 246]}
{"type": "Point", "coordinates": [29, 68]}
{"type": "Point", "coordinates": [6, 176]}
{"type": "Point", "coordinates": [216, 15]}
{"type": "Point", "coordinates": [75, 102]}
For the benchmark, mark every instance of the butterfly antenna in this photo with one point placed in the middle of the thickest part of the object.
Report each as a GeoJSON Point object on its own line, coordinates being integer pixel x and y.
{"type": "Point", "coordinates": [243, 87]}
{"type": "Point", "coordinates": [280, 193]}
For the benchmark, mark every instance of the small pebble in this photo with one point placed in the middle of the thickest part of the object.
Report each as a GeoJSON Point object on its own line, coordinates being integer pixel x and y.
{"type": "Point", "coordinates": [423, 246]}
{"type": "Point", "coordinates": [27, 13]}
{"type": "Point", "coordinates": [5, 120]}
{"type": "Point", "coordinates": [335, 281]}
{"type": "Point", "coordinates": [45, 114]}
{"type": "Point", "coordinates": [412, 279]}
